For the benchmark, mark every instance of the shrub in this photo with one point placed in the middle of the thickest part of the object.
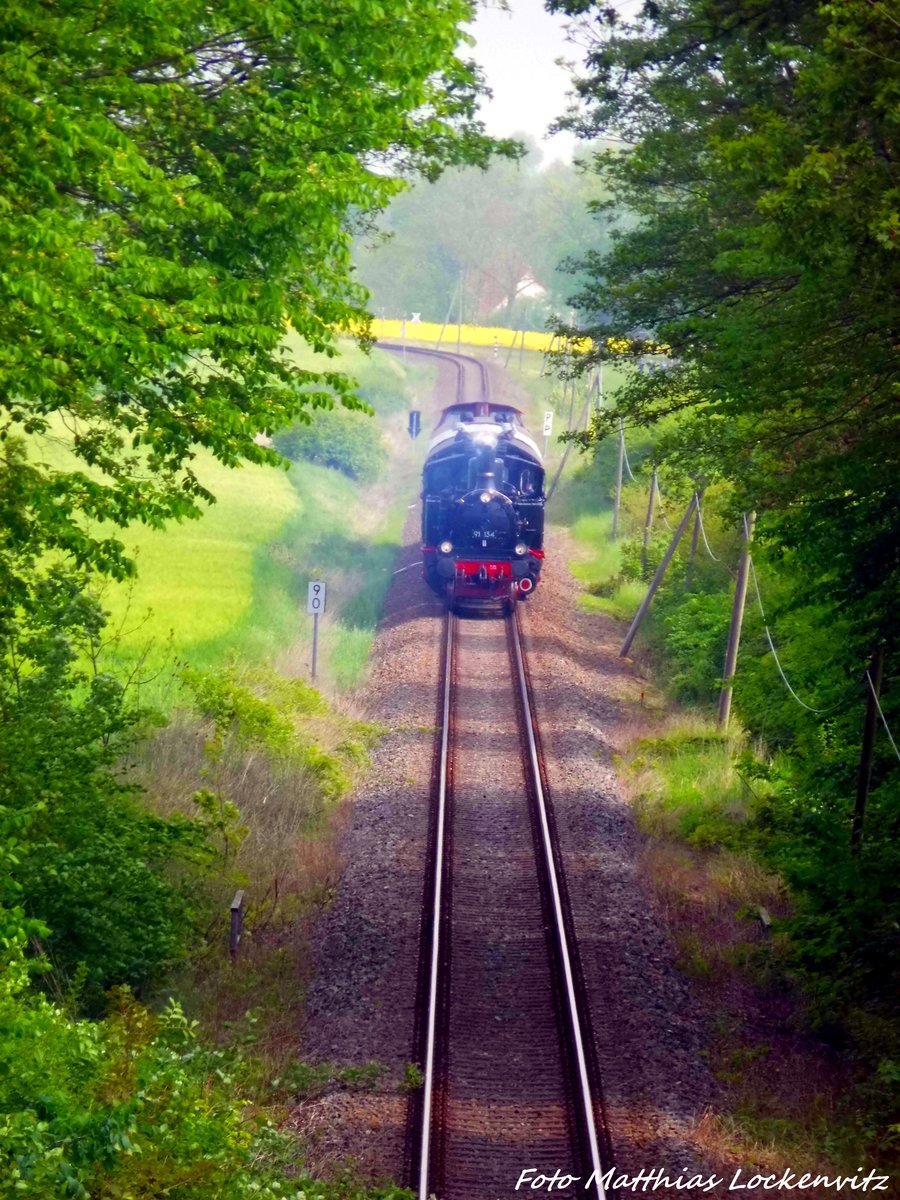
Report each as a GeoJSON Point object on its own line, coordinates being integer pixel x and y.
{"type": "Point", "coordinates": [133, 1105]}
{"type": "Point", "coordinates": [696, 632]}
{"type": "Point", "coordinates": [264, 759]}
{"type": "Point", "coordinates": [336, 437]}
{"type": "Point", "coordinates": [90, 863]}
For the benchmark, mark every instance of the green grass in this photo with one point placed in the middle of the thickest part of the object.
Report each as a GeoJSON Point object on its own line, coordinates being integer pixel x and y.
{"type": "Point", "coordinates": [385, 381]}
{"type": "Point", "coordinates": [231, 585]}
{"type": "Point", "coordinates": [597, 568]}
{"type": "Point", "coordinates": [689, 787]}
{"type": "Point", "coordinates": [355, 561]}
{"type": "Point", "coordinates": [600, 555]}
{"type": "Point", "coordinates": [622, 604]}
{"type": "Point", "coordinates": [196, 581]}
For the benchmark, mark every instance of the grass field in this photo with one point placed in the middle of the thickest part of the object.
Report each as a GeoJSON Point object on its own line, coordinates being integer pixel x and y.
{"type": "Point", "coordinates": [196, 580]}
{"type": "Point", "coordinates": [231, 586]}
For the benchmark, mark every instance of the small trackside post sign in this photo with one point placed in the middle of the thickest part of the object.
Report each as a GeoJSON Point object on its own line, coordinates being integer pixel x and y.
{"type": "Point", "coordinates": [315, 604]}
{"type": "Point", "coordinates": [548, 423]}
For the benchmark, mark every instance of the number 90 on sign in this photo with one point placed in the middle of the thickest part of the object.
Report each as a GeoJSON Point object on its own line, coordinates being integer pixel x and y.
{"type": "Point", "coordinates": [315, 597]}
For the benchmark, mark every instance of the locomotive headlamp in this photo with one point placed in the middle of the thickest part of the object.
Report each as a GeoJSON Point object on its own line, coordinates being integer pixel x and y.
{"type": "Point", "coordinates": [521, 548]}
{"type": "Point", "coordinates": [445, 547]}
{"type": "Point", "coordinates": [485, 497]}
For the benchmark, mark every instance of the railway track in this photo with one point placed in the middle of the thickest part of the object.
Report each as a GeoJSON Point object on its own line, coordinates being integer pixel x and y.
{"type": "Point", "coordinates": [502, 1028]}
{"type": "Point", "coordinates": [503, 1033]}
{"type": "Point", "coordinates": [463, 363]}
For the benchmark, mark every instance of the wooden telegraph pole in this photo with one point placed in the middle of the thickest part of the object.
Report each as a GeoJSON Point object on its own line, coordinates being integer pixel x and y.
{"type": "Point", "coordinates": [459, 312]}
{"type": "Point", "coordinates": [657, 578]}
{"type": "Point", "coordinates": [864, 778]}
{"type": "Point", "coordinates": [620, 462]}
{"type": "Point", "coordinates": [737, 619]}
{"type": "Point", "coordinates": [648, 523]}
{"type": "Point", "coordinates": [449, 314]}
{"type": "Point", "coordinates": [695, 538]}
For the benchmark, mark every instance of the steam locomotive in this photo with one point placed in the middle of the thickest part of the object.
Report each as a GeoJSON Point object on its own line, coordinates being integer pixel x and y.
{"type": "Point", "coordinates": [482, 506]}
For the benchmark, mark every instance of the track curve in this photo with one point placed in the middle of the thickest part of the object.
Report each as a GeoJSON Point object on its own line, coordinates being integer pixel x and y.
{"type": "Point", "coordinates": [462, 362]}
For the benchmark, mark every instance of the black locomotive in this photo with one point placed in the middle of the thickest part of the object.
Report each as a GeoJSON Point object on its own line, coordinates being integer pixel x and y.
{"type": "Point", "coordinates": [482, 506]}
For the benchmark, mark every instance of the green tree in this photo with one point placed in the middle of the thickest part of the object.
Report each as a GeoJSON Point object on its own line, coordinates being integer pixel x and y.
{"type": "Point", "coordinates": [763, 171]}
{"type": "Point", "coordinates": [86, 859]}
{"type": "Point", "coordinates": [492, 229]}
{"type": "Point", "coordinates": [135, 1105]}
{"type": "Point", "coordinates": [178, 180]}
{"type": "Point", "coordinates": [765, 177]}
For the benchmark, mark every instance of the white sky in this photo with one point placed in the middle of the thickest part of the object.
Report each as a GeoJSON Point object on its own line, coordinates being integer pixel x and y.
{"type": "Point", "coordinates": [516, 50]}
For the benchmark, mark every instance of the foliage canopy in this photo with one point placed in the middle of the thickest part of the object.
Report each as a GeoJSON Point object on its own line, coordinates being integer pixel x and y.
{"type": "Point", "coordinates": [762, 166]}
{"type": "Point", "coordinates": [764, 172]}
{"type": "Point", "coordinates": [178, 180]}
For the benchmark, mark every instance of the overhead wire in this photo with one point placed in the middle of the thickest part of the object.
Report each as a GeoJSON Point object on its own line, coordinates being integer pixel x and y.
{"type": "Point", "coordinates": [625, 455]}
{"type": "Point", "coordinates": [703, 532]}
{"type": "Point", "coordinates": [784, 678]}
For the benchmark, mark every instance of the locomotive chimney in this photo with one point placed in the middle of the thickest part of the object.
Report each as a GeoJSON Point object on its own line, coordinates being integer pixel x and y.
{"type": "Point", "coordinates": [485, 478]}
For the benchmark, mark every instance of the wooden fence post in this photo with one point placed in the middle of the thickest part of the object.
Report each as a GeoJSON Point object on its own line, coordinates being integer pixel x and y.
{"type": "Point", "coordinates": [236, 931]}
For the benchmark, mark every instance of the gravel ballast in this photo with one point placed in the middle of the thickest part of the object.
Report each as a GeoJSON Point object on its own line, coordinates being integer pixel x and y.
{"type": "Point", "coordinates": [650, 1034]}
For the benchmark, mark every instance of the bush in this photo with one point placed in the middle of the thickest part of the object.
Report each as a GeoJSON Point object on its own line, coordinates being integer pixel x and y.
{"type": "Point", "coordinates": [336, 437]}
{"type": "Point", "coordinates": [695, 632]}
{"type": "Point", "coordinates": [90, 863]}
{"type": "Point", "coordinates": [134, 1105]}
{"type": "Point", "coordinates": [263, 759]}
{"type": "Point", "coordinates": [688, 788]}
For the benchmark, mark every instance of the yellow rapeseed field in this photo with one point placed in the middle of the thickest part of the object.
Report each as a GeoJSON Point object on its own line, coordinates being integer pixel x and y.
{"type": "Point", "coordinates": [470, 335]}
{"type": "Point", "coordinates": [489, 335]}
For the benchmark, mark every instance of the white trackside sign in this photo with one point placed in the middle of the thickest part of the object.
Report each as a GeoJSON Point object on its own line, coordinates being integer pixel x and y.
{"type": "Point", "coordinates": [315, 597]}
{"type": "Point", "coordinates": [548, 423]}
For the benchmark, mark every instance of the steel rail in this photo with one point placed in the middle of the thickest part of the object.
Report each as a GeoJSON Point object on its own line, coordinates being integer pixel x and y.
{"type": "Point", "coordinates": [458, 361]}
{"type": "Point", "coordinates": [436, 917]}
{"type": "Point", "coordinates": [572, 1006]}
{"type": "Point", "coordinates": [575, 1043]}
{"type": "Point", "coordinates": [425, 1128]}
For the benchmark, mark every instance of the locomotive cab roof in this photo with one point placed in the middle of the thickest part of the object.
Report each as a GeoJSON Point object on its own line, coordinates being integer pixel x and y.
{"type": "Point", "coordinates": [483, 423]}
{"type": "Point", "coordinates": [482, 412]}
